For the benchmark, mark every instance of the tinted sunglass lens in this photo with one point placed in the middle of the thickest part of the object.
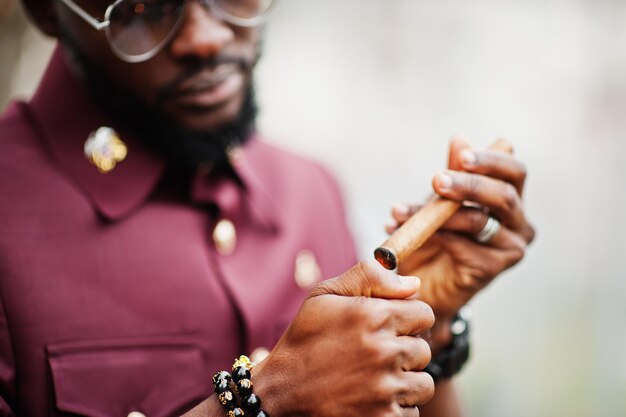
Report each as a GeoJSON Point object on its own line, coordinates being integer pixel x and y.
{"type": "Point", "coordinates": [244, 9]}
{"type": "Point", "coordinates": [138, 27]}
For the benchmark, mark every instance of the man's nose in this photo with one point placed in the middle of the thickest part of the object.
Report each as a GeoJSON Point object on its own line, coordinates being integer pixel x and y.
{"type": "Point", "coordinates": [201, 34]}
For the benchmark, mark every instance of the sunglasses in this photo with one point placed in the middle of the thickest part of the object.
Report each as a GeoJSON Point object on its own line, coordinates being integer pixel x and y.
{"type": "Point", "coordinates": [137, 30]}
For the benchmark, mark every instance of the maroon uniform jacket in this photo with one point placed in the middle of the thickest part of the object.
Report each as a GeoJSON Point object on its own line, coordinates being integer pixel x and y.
{"type": "Point", "coordinates": [113, 297]}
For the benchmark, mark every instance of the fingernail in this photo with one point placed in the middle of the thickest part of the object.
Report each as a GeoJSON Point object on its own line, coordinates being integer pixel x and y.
{"type": "Point", "coordinates": [468, 158]}
{"type": "Point", "coordinates": [401, 208]}
{"type": "Point", "coordinates": [390, 227]}
{"type": "Point", "coordinates": [444, 182]}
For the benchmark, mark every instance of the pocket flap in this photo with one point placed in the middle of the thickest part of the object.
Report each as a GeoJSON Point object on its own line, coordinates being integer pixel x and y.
{"type": "Point", "coordinates": [158, 377]}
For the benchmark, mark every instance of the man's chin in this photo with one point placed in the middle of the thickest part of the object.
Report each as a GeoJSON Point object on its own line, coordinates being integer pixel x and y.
{"type": "Point", "coordinates": [184, 133]}
{"type": "Point", "coordinates": [205, 119]}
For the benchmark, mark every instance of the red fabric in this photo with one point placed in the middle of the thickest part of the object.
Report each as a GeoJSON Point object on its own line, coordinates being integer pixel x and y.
{"type": "Point", "coordinates": [113, 297]}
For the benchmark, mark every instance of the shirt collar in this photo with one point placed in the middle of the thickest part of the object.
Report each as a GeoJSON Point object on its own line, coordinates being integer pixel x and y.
{"type": "Point", "coordinates": [65, 114]}
{"type": "Point", "coordinates": [243, 194]}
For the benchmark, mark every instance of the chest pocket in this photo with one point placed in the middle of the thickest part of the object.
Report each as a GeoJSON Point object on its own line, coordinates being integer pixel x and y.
{"type": "Point", "coordinates": [157, 377]}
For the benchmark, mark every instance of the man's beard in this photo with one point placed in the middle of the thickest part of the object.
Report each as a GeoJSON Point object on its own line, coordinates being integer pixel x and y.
{"type": "Point", "coordinates": [183, 148]}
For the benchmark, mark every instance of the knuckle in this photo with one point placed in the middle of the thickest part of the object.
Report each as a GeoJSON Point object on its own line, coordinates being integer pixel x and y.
{"type": "Point", "coordinates": [372, 274]}
{"type": "Point", "coordinates": [510, 198]}
{"type": "Point", "coordinates": [362, 269]}
{"type": "Point", "coordinates": [322, 288]}
{"type": "Point", "coordinates": [472, 184]}
{"type": "Point", "coordinates": [517, 252]}
{"type": "Point", "coordinates": [427, 315]}
{"type": "Point", "coordinates": [369, 267]}
{"type": "Point", "coordinates": [376, 313]}
{"type": "Point", "coordinates": [370, 349]}
{"type": "Point", "coordinates": [521, 249]}
{"type": "Point", "coordinates": [405, 355]}
{"type": "Point", "coordinates": [504, 145]}
{"type": "Point", "coordinates": [416, 354]}
{"type": "Point", "coordinates": [472, 282]}
{"type": "Point", "coordinates": [380, 353]}
{"type": "Point", "coordinates": [425, 354]}
{"type": "Point", "coordinates": [392, 355]}
{"type": "Point", "coordinates": [522, 171]}
{"type": "Point", "coordinates": [426, 386]}
{"type": "Point", "coordinates": [387, 388]}
{"type": "Point", "coordinates": [364, 311]}
{"type": "Point", "coordinates": [531, 234]}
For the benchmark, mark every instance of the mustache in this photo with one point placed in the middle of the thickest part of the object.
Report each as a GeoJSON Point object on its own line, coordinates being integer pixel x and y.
{"type": "Point", "coordinates": [194, 69]}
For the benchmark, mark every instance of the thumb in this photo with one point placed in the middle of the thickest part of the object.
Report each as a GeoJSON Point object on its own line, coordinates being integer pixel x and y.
{"type": "Point", "coordinates": [369, 279]}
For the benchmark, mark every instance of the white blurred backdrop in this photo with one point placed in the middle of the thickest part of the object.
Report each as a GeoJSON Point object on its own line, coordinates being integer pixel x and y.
{"type": "Point", "coordinates": [373, 89]}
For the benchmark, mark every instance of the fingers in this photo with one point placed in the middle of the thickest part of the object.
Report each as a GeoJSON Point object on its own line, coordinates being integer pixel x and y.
{"type": "Point", "coordinates": [419, 388]}
{"type": "Point", "coordinates": [495, 164]}
{"type": "Point", "coordinates": [486, 261]}
{"type": "Point", "coordinates": [471, 221]}
{"type": "Point", "coordinates": [457, 145]}
{"type": "Point", "coordinates": [499, 196]}
{"type": "Point", "coordinates": [400, 213]}
{"type": "Point", "coordinates": [410, 412]}
{"type": "Point", "coordinates": [467, 220]}
{"type": "Point", "coordinates": [408, 317]}
{"type": "Point", "coordinates": [368, 279]}
{"type": "Point", "coordinates": [416, 353]}
{"type": "Point", "coordinates": [491, 178]}
{"type": "Point", "coordinates": [399, 317]}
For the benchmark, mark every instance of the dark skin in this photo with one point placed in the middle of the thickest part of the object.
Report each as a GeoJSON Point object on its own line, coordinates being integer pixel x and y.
{"type": "Point", "coordinates": [162, 81]}
{"type": "Point", "coordinates": [452, 264]}
{"type": "Point", "coordinates": [362, 325]}
{"type": "Point", "coordinates": [358, 327]}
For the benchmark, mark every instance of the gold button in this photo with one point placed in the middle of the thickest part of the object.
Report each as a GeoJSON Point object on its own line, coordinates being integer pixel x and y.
{"type": "Point", "coordinates": [225, 237]}
{"type": "Point", "coordinates": [234, 155]}
{"type": "Point", "coordinates": [259, 354]}
{"type": "Point", "coordinates": [105, 149]}
{"type": "Point", "coordinates": [136, 414]}
{"type": "Point", "coordinates": [307, 272]}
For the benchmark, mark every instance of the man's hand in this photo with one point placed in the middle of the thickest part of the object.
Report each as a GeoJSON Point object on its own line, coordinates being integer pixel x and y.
{"type": "Point", "coordinates": [453, 265]}
{"type": "Point", "coordinates": [352, 350]}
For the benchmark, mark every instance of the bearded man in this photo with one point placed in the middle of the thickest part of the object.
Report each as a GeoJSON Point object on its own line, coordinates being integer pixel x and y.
{"type": "Point", "coordinates": [148, 236]}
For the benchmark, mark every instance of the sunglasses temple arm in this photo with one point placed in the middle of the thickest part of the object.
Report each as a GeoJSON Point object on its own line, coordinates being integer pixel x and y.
{"type": "Point", "coordinates": [93, 22]}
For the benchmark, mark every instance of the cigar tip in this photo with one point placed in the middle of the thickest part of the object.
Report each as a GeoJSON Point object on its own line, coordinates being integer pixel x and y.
{"type": "Point", "coordinates": [386, 258]}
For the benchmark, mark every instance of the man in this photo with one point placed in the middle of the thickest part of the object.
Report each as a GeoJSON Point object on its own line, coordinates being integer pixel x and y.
{"type": "Point", "coordinates": [149, 236]}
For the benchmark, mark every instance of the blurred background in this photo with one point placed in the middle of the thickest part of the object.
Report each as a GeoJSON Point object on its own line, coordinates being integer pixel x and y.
{"type": "Point", "coordinates": [374, 89]}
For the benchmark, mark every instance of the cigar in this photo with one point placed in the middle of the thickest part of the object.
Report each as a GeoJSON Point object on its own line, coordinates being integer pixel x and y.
{"type": "Point", "coordinates": [422, 225]}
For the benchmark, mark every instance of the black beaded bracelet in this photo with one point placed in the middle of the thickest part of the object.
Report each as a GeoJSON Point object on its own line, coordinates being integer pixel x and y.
{"type": "Point", "coordinates": [250, 402]}
{"type": "Point", "coordinates": [226, 397]}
